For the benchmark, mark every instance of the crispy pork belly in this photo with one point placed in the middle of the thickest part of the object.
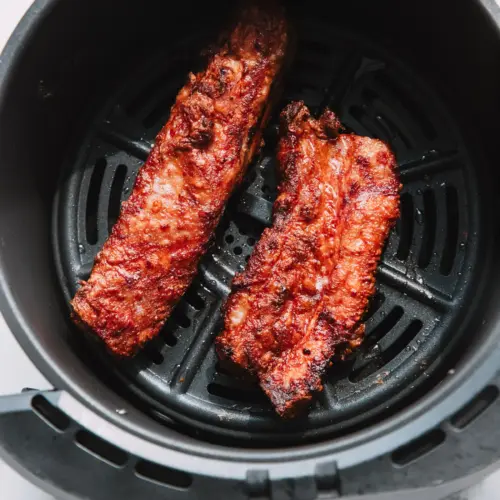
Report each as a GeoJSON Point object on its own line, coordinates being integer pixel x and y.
{"type": "Point", "coordinates": [199, 156]}
{"type": "Point", "coordinates": [310, 278]}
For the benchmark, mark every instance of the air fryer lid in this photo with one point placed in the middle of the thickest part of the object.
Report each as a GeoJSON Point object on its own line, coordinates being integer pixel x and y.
{"type": "Point", "coordinates": [110, 91]}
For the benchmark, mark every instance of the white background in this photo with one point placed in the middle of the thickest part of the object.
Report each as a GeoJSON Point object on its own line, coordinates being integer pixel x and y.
{"type": "Point", "coordinates": [22, 373]}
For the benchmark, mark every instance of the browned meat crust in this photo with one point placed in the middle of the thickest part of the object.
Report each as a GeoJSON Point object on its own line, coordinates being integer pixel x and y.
{"type": "Point", "coordinates": [311, 275]}
{"type": "Point", "coordinates": [200, 155]}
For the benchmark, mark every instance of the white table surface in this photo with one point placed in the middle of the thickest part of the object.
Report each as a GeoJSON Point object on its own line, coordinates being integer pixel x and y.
{"type": "Point", "coordinates": [14, 361]}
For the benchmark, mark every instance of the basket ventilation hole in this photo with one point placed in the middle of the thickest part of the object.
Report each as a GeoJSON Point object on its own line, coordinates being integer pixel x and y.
{"type": "Point", "coordinates": [49, 413]}
{"type": "Point", "coordinates": [169, 338]}
{"type": "Point", "coordinates": [406, 227]}
{"type": "Point", "coordinates": [375, 304]}
{"type": "Point", "coordinates": [93, 200]}
{"type": "Point", "coordinates": [163, 475]}
{"type": "Point", "coordinates": [388, 354]}
{"type": "Point", "coordinates": [476, 407]}
{"type": "Point", "coordinates": [238, 250]}
{"type": "Point", "coordinates": [101, 449]}
{"type": "Point", "coordinates": [182, 320]}
{"type": "Point", "coordinates": [153, 354]}
{"type": "Point", "coordinates": [418, 448]}
{"type": "Point", "coordinates": [194, 299]}
{"type": "Point", "coordinates": [450, 248]}
{"type": "Point", "coordinates": [403, 340]}
{"type": "Point", "coordinates": [385, 326]}
{"type": "Point", "coordinates": [429, 235]}
{"type": "Point", "coordinates": [248, 226]}
{"type": "Point", "coordinates": [382, 329]}
{"type": "Point", "coordinates": [229, 238]}
{"type": "Point", "coordinates": [223, 369]}
{"type": "Point", "coordinates": [115, 197]}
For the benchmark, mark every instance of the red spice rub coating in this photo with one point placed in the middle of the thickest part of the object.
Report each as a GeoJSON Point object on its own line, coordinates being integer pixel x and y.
{"type": "Point", "coordinates": [310, 277]}
{"type": "Point", "coordinates": [201, 154]}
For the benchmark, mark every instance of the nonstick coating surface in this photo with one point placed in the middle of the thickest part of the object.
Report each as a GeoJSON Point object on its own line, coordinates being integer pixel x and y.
{"type": "Point", "coordinates": [422, 283]}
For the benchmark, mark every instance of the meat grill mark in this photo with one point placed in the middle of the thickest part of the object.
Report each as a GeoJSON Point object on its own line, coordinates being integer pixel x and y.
{"type": "Point", "coordinates": [309, 280]}
{"type": "Point", "coordinates": [199, 156]}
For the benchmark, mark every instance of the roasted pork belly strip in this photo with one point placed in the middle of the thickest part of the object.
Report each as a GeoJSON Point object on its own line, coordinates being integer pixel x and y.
{"type": "Point", "coordinates": [310, 278]}
{"type": "Point", "coordinates": [201, 154]}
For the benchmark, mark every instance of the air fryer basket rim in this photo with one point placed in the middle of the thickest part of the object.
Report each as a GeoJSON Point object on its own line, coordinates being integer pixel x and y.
{"type": "Point", "coordinates": [423, 415]}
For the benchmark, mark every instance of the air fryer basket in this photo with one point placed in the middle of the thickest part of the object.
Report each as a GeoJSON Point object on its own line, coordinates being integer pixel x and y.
{"type": "Point", "coordinates": [428, 265]}
{"type": "Point", "coordinates": [77, 119]}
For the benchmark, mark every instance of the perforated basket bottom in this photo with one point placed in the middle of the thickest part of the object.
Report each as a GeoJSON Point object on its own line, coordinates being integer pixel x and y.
{"type": "Point", "coordinates": [422, 280]}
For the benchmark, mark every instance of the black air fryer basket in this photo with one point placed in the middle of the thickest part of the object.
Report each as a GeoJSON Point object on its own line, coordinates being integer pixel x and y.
{"type": "Point", "coordinates": [85, 86]}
